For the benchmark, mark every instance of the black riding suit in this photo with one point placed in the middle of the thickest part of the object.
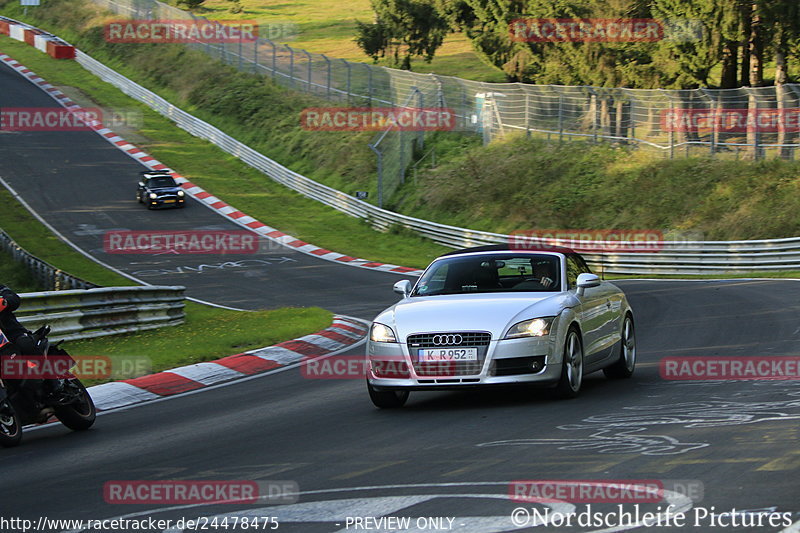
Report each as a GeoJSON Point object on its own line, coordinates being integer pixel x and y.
{"type": "Point", "coordinates": [13, 330]}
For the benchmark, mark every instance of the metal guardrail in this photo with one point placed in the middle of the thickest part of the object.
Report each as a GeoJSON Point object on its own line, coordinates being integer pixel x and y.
{"type": "Point", "coordinates": [84, 314]}
{"type": "Point", "coordinates": [44, 273]}
{"type": "Point", "coordinates": [674, 257]}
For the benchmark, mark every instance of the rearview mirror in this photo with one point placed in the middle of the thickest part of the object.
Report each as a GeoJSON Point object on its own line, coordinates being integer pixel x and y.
{"type": "Point", "coordinates": [403, 288]}
{"type": "Point", "coordinates": [587, 281]}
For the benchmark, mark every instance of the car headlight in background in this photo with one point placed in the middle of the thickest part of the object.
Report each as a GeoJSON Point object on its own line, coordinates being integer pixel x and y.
{"type": "Point", "coordinates": [180, 194]}
{"type": "Point", "coordinates": [381, 333]}
{"type": "Point", "coordinates": [153, 196]}
{"type": "Point", "coordinates": [536, 327]}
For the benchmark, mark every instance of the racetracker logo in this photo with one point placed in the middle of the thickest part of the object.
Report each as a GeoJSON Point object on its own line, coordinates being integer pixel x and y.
{"type": "Point", "coordinates": [48, 118]}
{"type": "Point", "coordinates": [377, 118]}
{"type": "Point", "coordinates": [730, 120]}
{"type": "Point", "coordinates": [590, 240]}
{"type": "Point", "coordinates": [181, 31]}
{"type": "Point", "coordinates": [79, 366]}
{"type": "Point", "coordinates": [587, 491]}
{"type": "Point", "coordinates": [539, 30]}
{"type": "Point", "coordinates": [180, 242]}
{"type": "Point", "coordinates": [729, 368]}
{"type": "Point", "coordinates": [200, 492]}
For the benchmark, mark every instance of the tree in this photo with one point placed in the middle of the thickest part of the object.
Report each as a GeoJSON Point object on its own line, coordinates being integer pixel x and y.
{"type": "Point", "coordinates": [403, 29]}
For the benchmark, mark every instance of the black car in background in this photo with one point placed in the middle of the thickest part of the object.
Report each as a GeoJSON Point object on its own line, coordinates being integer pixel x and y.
{"type": "Point", "coordinates": [159, 189]}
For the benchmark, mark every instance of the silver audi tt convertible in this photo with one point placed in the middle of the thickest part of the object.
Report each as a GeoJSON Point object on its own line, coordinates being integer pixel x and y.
{"type": "Point", "coordinates": [500, 315]}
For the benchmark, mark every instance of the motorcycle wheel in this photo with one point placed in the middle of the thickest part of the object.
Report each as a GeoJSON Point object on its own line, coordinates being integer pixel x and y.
{"type": "Point", "coordinates": [80, 414]}
{"type": "Point", "coordinates": [10, 428]}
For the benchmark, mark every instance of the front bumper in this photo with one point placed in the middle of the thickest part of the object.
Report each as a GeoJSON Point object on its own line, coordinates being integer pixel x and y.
{"type": "Point", "coordinates": [506, 362]}
{"type": "Point", "coordinates": [166, 201]}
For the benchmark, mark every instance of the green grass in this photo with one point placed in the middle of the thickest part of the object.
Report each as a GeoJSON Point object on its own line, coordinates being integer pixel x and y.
{"type": "Point", "coordinates": [13, 275]}
{"type": "Point", "coordinates": [329, 27]}
{"type": "Point", "coordinates": [209, 333]}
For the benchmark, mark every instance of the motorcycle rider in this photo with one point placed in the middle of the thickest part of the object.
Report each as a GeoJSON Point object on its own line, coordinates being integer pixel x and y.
{"type": "Point", "coordinates": [14, 331]}
{"type": "Point", "coordinates": [17, 334]}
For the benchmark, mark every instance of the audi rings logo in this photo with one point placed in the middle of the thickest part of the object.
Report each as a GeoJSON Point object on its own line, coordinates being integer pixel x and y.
{"type": "Point", "coordinates": [446, 340]}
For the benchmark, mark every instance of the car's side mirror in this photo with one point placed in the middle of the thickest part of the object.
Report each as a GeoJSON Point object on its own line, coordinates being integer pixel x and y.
{"type": "Point", "coordinates": [587, 281]}
{"type": "Point", "coordinates": [141, 184]}
{"type": "Point", "coordinates": [403, 288]}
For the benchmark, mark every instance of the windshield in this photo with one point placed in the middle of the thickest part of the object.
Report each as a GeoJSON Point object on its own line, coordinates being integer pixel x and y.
{"type": "Point", "coordinates": [162, 181]}
{"type": "Point", "coordinates": [507, 272]}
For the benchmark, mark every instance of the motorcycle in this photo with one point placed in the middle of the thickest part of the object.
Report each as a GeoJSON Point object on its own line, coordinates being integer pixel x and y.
{"type": "Point", "coordinates": [24, 400]}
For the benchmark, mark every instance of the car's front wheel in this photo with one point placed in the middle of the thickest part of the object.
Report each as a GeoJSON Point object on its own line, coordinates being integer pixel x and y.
{"type": "Point", "coordinates": [390, 399]}
{"type": "Point", "coordinates": [569, 385]}
{"type": "Point", "coordinates": [625, 364]}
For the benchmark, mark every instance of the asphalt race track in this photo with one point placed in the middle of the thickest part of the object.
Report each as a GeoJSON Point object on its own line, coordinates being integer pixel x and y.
{"type": "Point", "coordinates": [85, 187]}
{"type": "Point", "coordinates": [445, 460]}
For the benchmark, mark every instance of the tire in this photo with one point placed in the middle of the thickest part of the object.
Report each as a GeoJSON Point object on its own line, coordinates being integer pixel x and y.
{"type": "Point", "coordinates": [569, 385]}
{"type": "Point", "coordinates": [624, 366]}
{"type": "Point", "coordinates": [79, 415]}
{"type": "Point", "coordinates": [10, 427]}
{"type": "Point", "coordinates": [390, 399]}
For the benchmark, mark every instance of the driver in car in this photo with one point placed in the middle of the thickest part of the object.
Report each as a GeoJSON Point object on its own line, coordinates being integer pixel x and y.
{"type": "Point", "coordinates": [544, 273]}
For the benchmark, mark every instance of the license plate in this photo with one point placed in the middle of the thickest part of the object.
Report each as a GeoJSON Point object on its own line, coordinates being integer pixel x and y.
{"type": "Point", "coordinates": [169, 201]}
{"type": "Point", "coordinates": [448, 354]}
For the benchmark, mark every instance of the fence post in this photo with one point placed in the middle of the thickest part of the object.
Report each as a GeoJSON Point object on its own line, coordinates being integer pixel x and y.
{"type": "Point", "coordinates": [596, 118]}
{"type": "Point", "coordinates": [369, 90]}
{"type": "Point", "coordinates": [291, 66]}
{"type": "Point", "coordinates": [527, 116]}
{"type": "Point", "coordinates": [328, 83]}
{"type": "Point", "coordinates": [255, 56]}
{"type": "Point", "coordinates": [671, 130]}
{"type": "Point", "coordinates": [713, 109]}
{"type": "Point", "coordinates": [349, 76]}
{"type": "Point", "coordinates": [274, 59]}
{"type": "Point", "coordinates": [308, 55]}
{"type": "Point", "coordinates": [560, 117]}
{"type": "Point", "coordinates": [380, 174]}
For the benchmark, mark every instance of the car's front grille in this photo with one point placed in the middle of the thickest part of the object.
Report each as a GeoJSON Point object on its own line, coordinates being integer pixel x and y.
{"type": "Point", "coordinates": [457, 339]}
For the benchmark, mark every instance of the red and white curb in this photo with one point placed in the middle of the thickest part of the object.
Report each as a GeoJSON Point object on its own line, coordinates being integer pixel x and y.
{"type": "Point", "coordinates": [343, 332]}
{"type": "Point", "coordinates": [201, 195]}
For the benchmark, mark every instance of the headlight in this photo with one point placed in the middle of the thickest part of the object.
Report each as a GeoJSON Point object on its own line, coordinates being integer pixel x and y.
{"type": "Point", "coordinates": [381, 333]}
{"type": "Point", "coordinates": [153, 196]}
{"type": "Point", "coordinates": [180, 194]}
{"type": "Point", "coordinates": [536, 327]}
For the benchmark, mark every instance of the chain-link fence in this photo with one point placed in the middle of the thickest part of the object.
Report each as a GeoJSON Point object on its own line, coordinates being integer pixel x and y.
{"type": "Point", "coordinates": [746, 122]}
